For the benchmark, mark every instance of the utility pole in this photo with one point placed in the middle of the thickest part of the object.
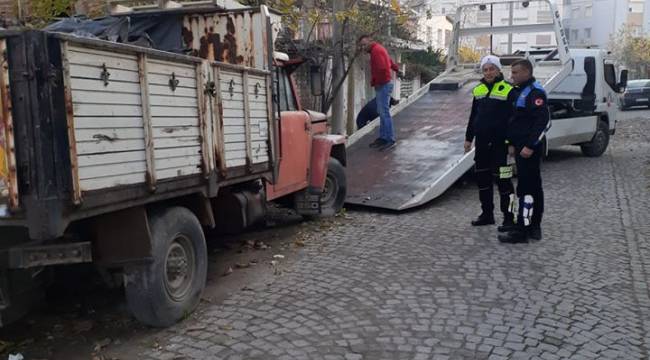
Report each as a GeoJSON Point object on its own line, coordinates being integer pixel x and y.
{"type": "Point", "coordinates": [338, 121]}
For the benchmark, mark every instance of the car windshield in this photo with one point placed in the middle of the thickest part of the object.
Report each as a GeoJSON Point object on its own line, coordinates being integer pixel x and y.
{"type": "Point", "coordinates": [635, 84]}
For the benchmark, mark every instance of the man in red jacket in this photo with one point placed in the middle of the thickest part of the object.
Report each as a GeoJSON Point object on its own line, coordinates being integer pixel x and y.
{"type": "Point", "coordinates": [380, 69]}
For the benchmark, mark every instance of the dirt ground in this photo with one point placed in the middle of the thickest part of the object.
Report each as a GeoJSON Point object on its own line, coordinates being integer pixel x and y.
{"type": "Point", "coordinates": [84, 318]}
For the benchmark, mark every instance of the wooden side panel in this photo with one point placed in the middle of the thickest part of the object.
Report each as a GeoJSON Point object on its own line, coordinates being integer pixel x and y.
{"type": "Point", "coordinates": [175, 118]}
{"type": "Point", "coordinates": [108, 127]}
{"type": "Point", "coordinates": [234, 124]}
{"type": "Point", "coordinates": [259, 118]}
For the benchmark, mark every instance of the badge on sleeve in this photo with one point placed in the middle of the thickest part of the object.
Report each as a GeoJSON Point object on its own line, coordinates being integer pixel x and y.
{"type": "Point", "coordinates": [539, 101]}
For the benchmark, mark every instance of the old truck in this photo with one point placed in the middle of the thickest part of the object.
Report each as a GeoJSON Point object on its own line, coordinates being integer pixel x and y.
{"type": "Point", "coordinates": [122, 155]}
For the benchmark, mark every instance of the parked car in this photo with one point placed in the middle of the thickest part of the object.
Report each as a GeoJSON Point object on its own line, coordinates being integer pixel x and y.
{"type": "Point", "coordinates": [636, 94]}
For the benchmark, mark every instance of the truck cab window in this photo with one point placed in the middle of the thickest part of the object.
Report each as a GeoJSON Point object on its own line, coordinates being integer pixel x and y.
{"type": "Point", "coordinates": [285, 98]}
{"type": "Point", "coordinates": [610, 76]}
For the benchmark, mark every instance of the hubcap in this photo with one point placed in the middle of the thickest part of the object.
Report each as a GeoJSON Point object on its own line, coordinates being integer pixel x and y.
{"type": "Point", "coordinates": [179, 268]}
{"type": "Point", "coordinates": [329, 190]}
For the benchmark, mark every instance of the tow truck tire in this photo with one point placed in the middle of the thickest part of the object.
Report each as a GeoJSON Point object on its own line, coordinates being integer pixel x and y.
{"type": "Point", "coordinates": [335, 189]}
{"type": "Point", "coordinates": [169, 288]}
{"type": "Point", "coordinates": [598, 143]}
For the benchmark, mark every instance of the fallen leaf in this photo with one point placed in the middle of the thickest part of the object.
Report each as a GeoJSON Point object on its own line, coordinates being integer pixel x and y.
{"type": "Point", "coordinates": [102, 344]}
{"type": "Point", "coordinates": [299, 242]}
{"type": "Point", "coordinates": [242, 265]}
{"type": "Point", "coordinates": [83, 326]}
{"type": "Point", "coordinates": [228, 271]}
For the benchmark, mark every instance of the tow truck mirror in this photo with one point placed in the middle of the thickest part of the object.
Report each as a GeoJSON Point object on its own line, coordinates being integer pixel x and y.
{"type": "Point", "coordinates": [623, 82]}
{"type": "Point", "coordinates": [315, 80]}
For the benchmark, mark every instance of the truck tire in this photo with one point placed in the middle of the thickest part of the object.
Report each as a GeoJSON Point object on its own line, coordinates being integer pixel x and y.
{"type": "Point", "coordinates": [335, 189]}
{"type": "Point", "coordinates": [598, 143]}
{"type": "Point", "coordinates": [166, 290]}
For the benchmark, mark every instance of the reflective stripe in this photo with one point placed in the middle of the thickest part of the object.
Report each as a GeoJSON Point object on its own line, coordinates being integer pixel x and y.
{"type": "Point", "coordinates": [505, 172]}
{"type": "Point", "coordinates": [521, 100]}
{"type": "Point", "coordinates": [500, 91]}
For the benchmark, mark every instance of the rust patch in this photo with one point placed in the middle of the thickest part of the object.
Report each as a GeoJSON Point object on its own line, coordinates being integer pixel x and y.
{"type": "Point", "coordinates": [188, 36]}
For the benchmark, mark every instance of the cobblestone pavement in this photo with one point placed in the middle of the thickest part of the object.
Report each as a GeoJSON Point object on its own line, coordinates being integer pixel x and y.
{"type": "Point", "coordinates": [426, 285]}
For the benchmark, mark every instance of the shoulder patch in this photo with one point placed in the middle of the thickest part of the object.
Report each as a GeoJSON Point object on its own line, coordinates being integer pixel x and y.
{"type": "Point", "coordinates": [539, 101]}
{"type": "Point", "coordinates": [501, 87]}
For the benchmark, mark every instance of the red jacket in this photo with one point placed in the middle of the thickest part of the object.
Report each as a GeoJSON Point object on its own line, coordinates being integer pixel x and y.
{"type": "Point", "coordinates": [380, 65]}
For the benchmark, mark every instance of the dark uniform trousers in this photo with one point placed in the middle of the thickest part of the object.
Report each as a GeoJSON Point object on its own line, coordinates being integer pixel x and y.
{"type": "Point", "coordinates": [488, 158]}
{"type": "Point", "coordinates": [530, 183]}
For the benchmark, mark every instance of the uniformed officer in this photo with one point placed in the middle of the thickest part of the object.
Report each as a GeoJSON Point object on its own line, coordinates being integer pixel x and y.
{"type": "Point", "coordinates": [487, 128]}
{"type": "Point", "coordinates": [526, 130]}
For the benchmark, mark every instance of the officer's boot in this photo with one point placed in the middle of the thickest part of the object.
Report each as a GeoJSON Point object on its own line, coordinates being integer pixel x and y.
{"type": "Point", "coordinates": [507, 207]}
{"type": "Point", "coordinates": [485, 195]}
{"type": "Point", "coordinates": [535, 228]}
{"type": "Point", "coordinates": [514, 237]}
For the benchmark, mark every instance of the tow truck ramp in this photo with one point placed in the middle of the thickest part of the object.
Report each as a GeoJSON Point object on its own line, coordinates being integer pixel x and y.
{"type": "Point", "coordinates": [429, 156]}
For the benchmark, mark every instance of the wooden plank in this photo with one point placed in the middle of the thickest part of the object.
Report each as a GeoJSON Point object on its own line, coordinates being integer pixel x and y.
{"type": "Point", "coordinates": [97, 122]}
{"type": "Point", "coordinates": [179, 162]}
{"type": "Point", "coordinates": [175, 101]}
{"type": "Point", "coordinates": [112, 158]}
{"type": "Point", "coordinates": [237, 121]}
{"type": "Point", "coordinates": [113, 181]}
{"type": "Point", "coordinates": [107, 110]}
{"type": "Point", "coordinates": [236, 138]}
{"type": "Point", "coordinates": [234, 146]}
{"type": "Point", "coordinates": [87, 148]}
{"type": "Point", "coordinates": [164, 80]}
{"type": "Point", "coordinates": [231, 163]}
{"type": "Point", "coordinates": [98, 85]}
{"type": "Point", "coordinates": [233, 113]}
{"type": "Point", "coordinates": [176, 152]}
{"type": "Point", "coordinates": [70, 114]}
{"type": "Point", "coordinates": [177, 131]}
{"type": "Point", "coordinates": [229, 130]}
{"type": "Point", "coordinates": [258, 113]}
{"type": "Point", "coordinates": [105, 98]}
{"type": "Point", "coordinates": [165, 90]}
{"type": "Point", "coordinates": [101, 58]}
{"type": "Point", "coordinates": [167, 68]}
{"type": "Point", "coordinates": [108, 170]}
{"type": "Point", "coordinates": [94, 72]}
{"type": "Point", "coordinates": [178, 172]}
{"type": "Point", "coordinates": [218, 122]}
{"type": "Point", "coordinates": [206, 165]}
{"type": "Point", "coordinates": [146, 119]}
{"type": "Point", "coordinates": [174, 121]}
{"type": "Point", "coordinates": [226, 88]}
{"type": "Point", "coordinates": [88, 51]}
{"type": "Point", "coordinates": [183, 141]}
{"type": "Point", "coordinates": [175, 111]}
{"type": "Point", "coordinates": [108, 134]}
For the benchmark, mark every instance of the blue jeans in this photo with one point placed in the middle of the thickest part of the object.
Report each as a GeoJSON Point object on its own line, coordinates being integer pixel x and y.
{"type": "Point", "coordinates": [383, 92]}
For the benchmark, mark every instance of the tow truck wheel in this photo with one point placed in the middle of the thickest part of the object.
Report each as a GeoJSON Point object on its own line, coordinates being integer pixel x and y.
{"type": "Point", "coordinates": [169, 288]}
{"type": "Point", "coordinates": [598, 144]}
{"type": "Point", "coordinates": [333, 196]}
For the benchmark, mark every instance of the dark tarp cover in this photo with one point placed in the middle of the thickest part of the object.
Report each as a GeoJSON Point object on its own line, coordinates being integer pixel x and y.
{"type": "Point", "coordinates": [162, 32]}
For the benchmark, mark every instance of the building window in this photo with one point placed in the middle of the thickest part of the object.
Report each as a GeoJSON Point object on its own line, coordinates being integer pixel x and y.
{"type": "Point", "coordinates": [589, 10]}
{"type": "Point", "coordinates": [543, 39]}
{"type": "Point", "coordinates": [544, 16]}
{"type": "Point", "coordinates": [588, 34]}
{"type": "Point", "coordinates": [440, 40]}
{"type": "Point", "coordinates": [636, 8]}
{"type": "Point", "coordinates": [429, 35]}
{"type": "Point", "coordinates": [575, 12]}
{"type": "Point", "coordinates": [574, 35]}
{"type": "Point", "coordinates": [447, 38]}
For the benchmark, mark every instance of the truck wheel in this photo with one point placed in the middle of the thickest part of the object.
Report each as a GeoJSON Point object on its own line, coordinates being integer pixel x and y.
{"type": "Point", "coordinates": [333, 196]}
{"type": "Point", "coordinates": [598, 144]}
{"type": "Point", "coordinates": [169, 288]}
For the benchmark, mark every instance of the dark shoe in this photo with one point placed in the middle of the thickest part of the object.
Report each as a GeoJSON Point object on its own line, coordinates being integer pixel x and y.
{"type": "Point", "coordinates": [483, 220]}
{"type": "Point", "coordinates": [377, 143]}
{"type": "Point", "coordinates": [535, 233]}
{"type": "Point", "coordinates": [393, 101]}
{"type": "Point", "coordinates": [513, 237]}
{"type": "Point", "coordinates": [507, 225]}
{"type": "Point", "coordinates": [387, 145]}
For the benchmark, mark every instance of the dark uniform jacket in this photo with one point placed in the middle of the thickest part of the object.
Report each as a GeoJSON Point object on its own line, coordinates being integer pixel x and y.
{"type": "Point", "coordinates": [531, 118]}
{"type": "Point", "coordinates": [491, 110]}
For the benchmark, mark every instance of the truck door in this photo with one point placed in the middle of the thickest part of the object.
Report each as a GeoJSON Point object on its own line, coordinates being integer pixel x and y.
{"type": "Point", "coordinates": [294, 141]}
